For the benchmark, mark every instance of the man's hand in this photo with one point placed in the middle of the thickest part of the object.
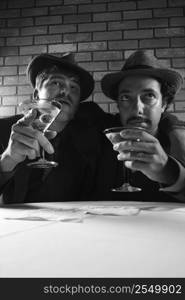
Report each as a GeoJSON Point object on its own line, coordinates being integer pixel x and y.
{"type": "Point", "coordinates": [142, 152]}
{"type": "Point", "coordinates": [25, 141]}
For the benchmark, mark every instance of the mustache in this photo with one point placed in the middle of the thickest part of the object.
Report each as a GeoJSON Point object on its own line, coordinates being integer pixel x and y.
{"type": "Point", "coordinates": [65, 100]}
{"type": "Point", "coordinates": [139, 119]}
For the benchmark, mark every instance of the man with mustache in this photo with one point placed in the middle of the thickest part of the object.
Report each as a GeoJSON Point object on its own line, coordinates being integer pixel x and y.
{"type": "Point", "coordinates": [87, 166]}
{"type": "Point", "coordinates": [143, 90]}
{"type": "Point", "coordinates": [69, 140]}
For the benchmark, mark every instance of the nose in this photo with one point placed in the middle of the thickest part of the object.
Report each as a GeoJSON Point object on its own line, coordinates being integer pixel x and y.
{"type": "Point", "coordinates": [138, 106]}
{"type": "Point", "coordinates": [64, 91]}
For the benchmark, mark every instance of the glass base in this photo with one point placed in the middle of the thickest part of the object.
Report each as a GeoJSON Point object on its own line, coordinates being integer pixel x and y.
{"type": "Point", "coordinates": [126, 187]}
{"type": "Point", "coordinates": [43, 164]}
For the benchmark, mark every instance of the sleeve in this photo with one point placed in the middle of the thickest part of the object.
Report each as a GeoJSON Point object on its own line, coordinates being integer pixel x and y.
{"type": "Point", "coordinates": [5, 125]}
{"type": "Point", "coordinates": [177, 154]}
{"type": "Point", "coordinates": [5, 177]}
{"type": "Point", "coordinates": [179, 185]}
{"type": "Point", "coordinates": [169, 122]}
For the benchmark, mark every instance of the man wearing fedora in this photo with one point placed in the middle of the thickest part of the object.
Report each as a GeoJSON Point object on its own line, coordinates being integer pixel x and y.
{"type": "Point", "coordinates": [74, 138]}
{"type": "Point", "coordinates": [87, 165]}
{"type": "Point", "coordinates": [143, 90]}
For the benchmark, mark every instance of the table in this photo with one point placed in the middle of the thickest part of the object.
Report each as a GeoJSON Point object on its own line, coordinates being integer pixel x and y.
{"type": "Point", "coordinates": [150, 243]}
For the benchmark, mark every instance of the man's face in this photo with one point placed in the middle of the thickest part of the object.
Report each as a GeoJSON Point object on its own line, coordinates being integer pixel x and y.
{"type": "Point", "coordinates": [140, 102]}
{"type": "Point", "coordinates": [63, 87]}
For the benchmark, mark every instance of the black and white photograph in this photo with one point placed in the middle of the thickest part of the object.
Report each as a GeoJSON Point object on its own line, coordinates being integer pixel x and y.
{"type": "Point", "coordinates": [92, 148]}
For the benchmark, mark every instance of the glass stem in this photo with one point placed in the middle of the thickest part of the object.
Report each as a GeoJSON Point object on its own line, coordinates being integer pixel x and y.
{"type": "Point", "coordinates": [43, 154]}
{"type": "Point", "coordinates": [43, 151]}
{"type": "Point", "coordinates": [125, 173]}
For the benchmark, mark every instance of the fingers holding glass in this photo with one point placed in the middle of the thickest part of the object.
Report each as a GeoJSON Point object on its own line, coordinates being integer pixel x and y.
{"type": "Point", "coordinates": [43, 114]}
{"type": "Point", "coordinates": [114, 135]}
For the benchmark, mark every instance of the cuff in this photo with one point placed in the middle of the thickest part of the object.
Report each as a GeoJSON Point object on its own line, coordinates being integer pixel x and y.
{"type": "Point", "coordinates": [5, 177]}
{"type": "Point", "coordinates": [180, 182]}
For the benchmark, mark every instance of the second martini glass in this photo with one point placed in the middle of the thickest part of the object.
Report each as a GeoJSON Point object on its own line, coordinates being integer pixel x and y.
{"type": "Point", "coordinates": [111, 134]}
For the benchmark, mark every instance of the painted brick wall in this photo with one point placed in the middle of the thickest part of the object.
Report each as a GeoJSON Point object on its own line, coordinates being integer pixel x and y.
{"type": "Point", "coordinates": [102, 33]}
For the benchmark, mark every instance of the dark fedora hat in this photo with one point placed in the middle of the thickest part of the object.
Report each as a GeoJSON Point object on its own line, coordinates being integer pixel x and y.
{"type": "Point", "coordinates": [65, 62]}
{"type": "Point", "coordinates": [141, 62]}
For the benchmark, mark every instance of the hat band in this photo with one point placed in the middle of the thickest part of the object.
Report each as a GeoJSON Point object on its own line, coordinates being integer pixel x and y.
{"type": "Point", "coordinates": [137, 67]}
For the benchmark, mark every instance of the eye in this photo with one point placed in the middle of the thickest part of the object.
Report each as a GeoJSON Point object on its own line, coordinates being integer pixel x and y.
{"type": "Point", "coordinates": [149, 98]}
{"type": "Point", "coordinates": [123, 98]}
{"type": "Point", "coordinates": [74, 86]}
{"type": "Point", "coordinates": [58, 84]}
{"type": "Point", "coordinates": [55, 83]}
{"type": "Point", "coordinates": [150, 95]}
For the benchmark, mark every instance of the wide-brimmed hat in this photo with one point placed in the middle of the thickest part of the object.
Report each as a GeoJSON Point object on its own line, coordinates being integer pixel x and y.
{"type": "Point", "coordinates": [141, 63]}
{"type": "Point", "coordinates": [66, 62]}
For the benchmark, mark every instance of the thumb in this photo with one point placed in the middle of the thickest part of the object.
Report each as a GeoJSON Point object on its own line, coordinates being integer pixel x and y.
{"type": "Point", "coordinates": [28, 118]}
{"type": "Point", "coordinates": [50, 134]}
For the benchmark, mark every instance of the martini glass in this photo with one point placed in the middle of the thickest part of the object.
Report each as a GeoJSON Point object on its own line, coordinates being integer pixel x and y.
{"type": "Point", "coordinates": [113, 134]}
{"type": "Point", "coordinates": [47, 111]}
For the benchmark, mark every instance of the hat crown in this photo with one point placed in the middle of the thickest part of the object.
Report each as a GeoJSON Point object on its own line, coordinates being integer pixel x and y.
{"type": "Point", "coordinates": [68, 56]}
{"type": "Point", "coordinates": [142, 63]}
{"type": "Point", "coordinates": [141, 59]}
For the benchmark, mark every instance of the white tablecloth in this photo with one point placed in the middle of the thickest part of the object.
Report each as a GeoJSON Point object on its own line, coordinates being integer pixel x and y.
{"type": "Point", "coordinates": [147, 240]}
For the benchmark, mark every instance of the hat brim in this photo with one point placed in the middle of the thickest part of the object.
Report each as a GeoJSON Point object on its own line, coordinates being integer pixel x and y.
{"type": "Point", "coordinates": [111, 81]}
{"type": "Point", "coordinates": [42, 62]}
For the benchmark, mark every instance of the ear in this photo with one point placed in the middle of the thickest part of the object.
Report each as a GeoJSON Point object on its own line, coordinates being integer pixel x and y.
{"type": "Point", "coordinates": [35, 94]}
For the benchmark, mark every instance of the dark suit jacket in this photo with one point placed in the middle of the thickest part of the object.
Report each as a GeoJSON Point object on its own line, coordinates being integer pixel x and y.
{"type": "Point", "coordinates": [88, 167]}
{"type": "Point", "coordinates": [77, 150]}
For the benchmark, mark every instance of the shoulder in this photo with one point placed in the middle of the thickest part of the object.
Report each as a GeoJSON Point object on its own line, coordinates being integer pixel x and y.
{"type": "Point", "coordinates": [90, 109]}
{"type": "Point", "coordinates": [5, 127]}
{"type": "Point", "coordinates": [173, 130]}
{"type": "Point", "coordinates": [9, 121]}
{"type": "Point", "coordinates": [92, 114]}
{"type": "Point", "coordinates": [169, 122]}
